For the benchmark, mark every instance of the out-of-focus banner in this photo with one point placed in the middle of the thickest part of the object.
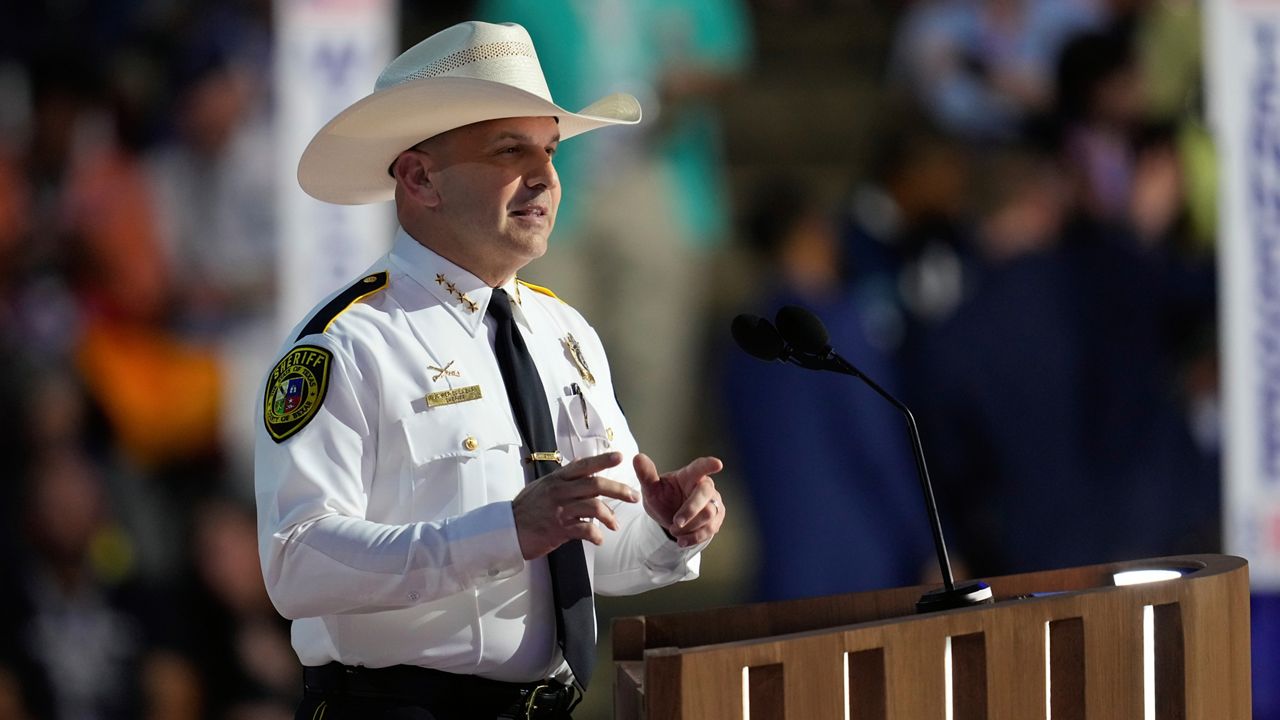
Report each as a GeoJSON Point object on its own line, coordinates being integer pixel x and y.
{"type": "Point", "coordinates": [328, 54]}
{"type": "Point", "coordinates": [1243, 85]}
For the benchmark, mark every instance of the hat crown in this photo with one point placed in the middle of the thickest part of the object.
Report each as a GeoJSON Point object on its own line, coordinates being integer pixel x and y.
{"type": "Point", "coordinates": [477, 50]}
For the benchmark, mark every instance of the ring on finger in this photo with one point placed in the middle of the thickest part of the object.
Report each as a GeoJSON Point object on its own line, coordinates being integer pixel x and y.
{"type": "Point", "coordinates": [715, 504]}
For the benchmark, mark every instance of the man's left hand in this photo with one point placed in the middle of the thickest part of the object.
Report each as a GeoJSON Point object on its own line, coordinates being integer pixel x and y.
{"type": "Point", "coordinates": [684, 502]}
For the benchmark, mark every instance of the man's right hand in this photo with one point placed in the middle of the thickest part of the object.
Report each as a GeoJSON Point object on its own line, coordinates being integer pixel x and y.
{"type": "Point", "coordinates": [563, 505]}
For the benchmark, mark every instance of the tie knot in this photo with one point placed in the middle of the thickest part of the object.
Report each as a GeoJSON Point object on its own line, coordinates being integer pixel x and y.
{"type": "Point", "coordinates": [500, 306]}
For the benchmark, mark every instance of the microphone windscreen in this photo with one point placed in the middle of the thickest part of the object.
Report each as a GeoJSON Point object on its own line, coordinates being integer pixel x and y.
{"type": "Point", "coordinates": [757, 337]}
{"type": "Point", "coordinates": [803, 330]}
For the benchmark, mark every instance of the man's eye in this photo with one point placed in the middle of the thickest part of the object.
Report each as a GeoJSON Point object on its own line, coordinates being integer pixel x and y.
{"type": "Point", "coordinates": [509, 151]}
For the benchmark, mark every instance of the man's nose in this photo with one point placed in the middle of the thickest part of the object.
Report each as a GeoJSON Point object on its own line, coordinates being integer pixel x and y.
{"type": "Point", "coordinates": [542, 173]}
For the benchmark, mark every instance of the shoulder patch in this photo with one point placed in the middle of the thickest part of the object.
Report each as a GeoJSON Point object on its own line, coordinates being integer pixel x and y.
{"type": "Point", "coordinates": [363, 288]}
{"type": "Point", "coordinates": [539, 289]}
{"type": "Point", "coordinates": [295, 390]}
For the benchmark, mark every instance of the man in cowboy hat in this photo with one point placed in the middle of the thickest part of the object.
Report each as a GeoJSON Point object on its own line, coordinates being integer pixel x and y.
{"type": "Point", "coordinates": [443, 474]}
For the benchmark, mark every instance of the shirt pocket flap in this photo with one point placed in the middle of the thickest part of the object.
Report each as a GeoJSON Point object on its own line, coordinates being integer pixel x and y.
{"type": "Point", "coordinates": [446, 432]}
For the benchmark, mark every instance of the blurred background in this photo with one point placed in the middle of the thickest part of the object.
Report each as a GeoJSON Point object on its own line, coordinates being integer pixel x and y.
{"type": "Point", "coordinates": [1004, 211]}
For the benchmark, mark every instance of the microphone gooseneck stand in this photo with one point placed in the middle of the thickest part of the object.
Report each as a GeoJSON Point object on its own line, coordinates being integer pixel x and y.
{"type": "Point", "coordinates": [950, 595]}
{"type": "Point", "coordinates": [803, 341]}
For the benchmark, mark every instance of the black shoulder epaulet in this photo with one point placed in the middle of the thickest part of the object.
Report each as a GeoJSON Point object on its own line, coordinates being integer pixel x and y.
{"type": "Point", "coordinates": [364, 287]}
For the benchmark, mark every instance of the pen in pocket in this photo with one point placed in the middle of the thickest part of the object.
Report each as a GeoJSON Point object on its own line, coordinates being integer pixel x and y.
{"type": "Point", "coordinates": [586, 418]}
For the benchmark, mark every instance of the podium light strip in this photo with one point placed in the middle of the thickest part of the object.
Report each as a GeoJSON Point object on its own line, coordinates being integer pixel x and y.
{"type": "Point", "coordinates": [746, 693]}
{"type": "Point", "coordinates": [1149, 661]}
{"type": "Point", "coordinates": [845, 655]}
{"type": "Point", "coordinates": [946, 680]}
{"type": "Point", "coordinates": [1048, 675]}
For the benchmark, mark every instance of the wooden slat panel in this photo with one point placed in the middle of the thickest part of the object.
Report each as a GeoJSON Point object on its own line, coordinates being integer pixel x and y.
{"type": "Point", "coordinates": [815, 677]}
{"type": "Point", "coordinates": [664, 686]}
{"type": "Point", "coordinates": [1113, 659]}
{"type": "Point", "coordinates": [713, 680]}
{"type": "Point", "coordinates": [1097, 628]}
{"type": "Point", "coordinates": [1015, 665]}
{"type": "Point", "coordinates": [913, 661]}
{"type": "Point", "coordinates": [1215, 626]}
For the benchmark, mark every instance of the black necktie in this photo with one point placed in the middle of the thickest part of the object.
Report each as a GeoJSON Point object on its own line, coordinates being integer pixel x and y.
{"type": "Point", "coordinates": [570, 585]}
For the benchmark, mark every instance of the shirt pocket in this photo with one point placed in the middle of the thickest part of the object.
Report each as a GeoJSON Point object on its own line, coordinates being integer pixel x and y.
{"type": "Point", "coordinates": [444, 468]}
{"type": "Point", "coordinates": [588, 429]}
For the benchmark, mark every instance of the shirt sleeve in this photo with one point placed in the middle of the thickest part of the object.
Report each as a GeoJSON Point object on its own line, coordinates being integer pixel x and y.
{"type": "Point", "coordinates": [319, 554]}
{"type": "Point", "coordinates": [639, 556]}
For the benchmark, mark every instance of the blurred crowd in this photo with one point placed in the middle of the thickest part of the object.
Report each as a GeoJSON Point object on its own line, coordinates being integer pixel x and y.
{"type": "Point", "coordinates": [1026, 258]}
{"type": "Point", "coordinates": [136, 241]}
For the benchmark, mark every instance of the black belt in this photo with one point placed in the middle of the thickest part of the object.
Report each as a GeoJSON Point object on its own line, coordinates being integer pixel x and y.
{"type": "Point", "coordinates": [465, 695]}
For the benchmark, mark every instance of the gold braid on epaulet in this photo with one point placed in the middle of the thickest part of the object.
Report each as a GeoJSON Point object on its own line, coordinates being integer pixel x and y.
{"type": "Point", "coordinates": [539, 289]}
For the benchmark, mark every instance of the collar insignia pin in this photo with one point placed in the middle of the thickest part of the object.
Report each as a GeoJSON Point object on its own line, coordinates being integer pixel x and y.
{"type": "Point", "coordinates": [443, 371]}
{"type": "Point", "coordinates": [453, 290]}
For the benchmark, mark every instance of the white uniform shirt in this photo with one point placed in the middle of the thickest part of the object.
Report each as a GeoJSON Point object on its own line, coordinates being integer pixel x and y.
{"type": "Point", "coordinates": [385, 523]}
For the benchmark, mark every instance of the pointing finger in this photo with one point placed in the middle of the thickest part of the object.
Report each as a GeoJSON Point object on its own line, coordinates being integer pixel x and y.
{"type": "Point", "coordinates": [702, 466]}
{"type": "Point", "coordinates": [587, 466]}
{"type": "Point", "coordinates": [596, 486]}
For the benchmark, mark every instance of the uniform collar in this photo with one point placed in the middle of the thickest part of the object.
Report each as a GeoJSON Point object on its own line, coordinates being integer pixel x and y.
{"type": "Point", "coordinates": [465, 296]}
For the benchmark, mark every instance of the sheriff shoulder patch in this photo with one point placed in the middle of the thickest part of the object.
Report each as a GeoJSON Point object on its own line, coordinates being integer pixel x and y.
{"type": "Point", "coordinates": [295, 390]}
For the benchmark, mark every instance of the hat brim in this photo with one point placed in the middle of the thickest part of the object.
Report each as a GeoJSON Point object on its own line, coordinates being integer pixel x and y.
{"type": "Point", "coordinates": [346, 162]}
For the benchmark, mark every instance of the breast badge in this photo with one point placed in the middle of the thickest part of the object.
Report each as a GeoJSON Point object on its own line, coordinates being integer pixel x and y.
{"type": "Point", "coordinates": [295, 389]}
{"type": "Point", "coordinates": [574, 350]}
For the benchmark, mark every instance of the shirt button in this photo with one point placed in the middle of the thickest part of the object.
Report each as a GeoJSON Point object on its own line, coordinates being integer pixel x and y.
{"type": "Point", "coordinates": [470, 443]}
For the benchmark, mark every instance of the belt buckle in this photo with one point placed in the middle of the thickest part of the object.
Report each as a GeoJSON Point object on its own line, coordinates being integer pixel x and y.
{"type": "Point", "coordinates": [532, 703]}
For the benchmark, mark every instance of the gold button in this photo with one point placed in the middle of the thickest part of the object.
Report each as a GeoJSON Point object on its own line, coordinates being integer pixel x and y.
{"type": "Point", "coordinates": [470, 443]}
{"type": "Point", "coordinates": [371, 278]}
{"type": "Point", "coordinates": [608, 433]}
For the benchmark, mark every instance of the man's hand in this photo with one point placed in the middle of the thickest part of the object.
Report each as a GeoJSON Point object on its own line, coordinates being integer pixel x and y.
{"type": "Point", "coordinates": [563, 505]}
{"type": "Point", "coordinates": [684, 502]}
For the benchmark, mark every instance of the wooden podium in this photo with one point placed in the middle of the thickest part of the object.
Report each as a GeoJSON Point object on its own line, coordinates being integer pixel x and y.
{"type": "Point", "coordinates": [1066, 644]}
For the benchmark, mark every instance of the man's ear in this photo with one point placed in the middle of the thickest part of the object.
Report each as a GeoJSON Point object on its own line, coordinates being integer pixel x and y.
{"type": "Point", "coordinates": [412, 171]}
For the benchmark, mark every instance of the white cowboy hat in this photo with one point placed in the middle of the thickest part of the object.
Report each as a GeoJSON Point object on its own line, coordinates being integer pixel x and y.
{"type": "Point", "coordinates": [468, 73]}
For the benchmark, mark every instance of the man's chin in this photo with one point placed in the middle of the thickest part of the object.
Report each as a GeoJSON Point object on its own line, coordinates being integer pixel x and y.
{"type": "Point", "coordinates": [526, 248]}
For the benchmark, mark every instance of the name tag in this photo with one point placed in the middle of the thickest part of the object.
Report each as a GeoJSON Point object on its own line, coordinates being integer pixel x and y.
{"type": "Point", "coordinates": [456, 395]}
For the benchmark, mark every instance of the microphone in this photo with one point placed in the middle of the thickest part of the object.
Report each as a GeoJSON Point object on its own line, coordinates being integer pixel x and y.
{"type": "Point", "coordinates": [757, 337]}
{"type": "Point", "coordinates": [803, 330]}
{"type": "Point", "coordinates": [801, 339]}
{"type": "Point", "coordinates": [760, 339]}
